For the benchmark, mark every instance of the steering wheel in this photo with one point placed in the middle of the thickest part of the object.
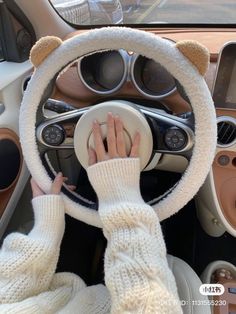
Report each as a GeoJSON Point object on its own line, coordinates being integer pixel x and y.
{"type": "Point", "coordinates": [193, 138]}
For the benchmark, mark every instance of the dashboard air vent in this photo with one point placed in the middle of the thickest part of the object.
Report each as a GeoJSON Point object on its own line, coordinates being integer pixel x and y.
{"type": "Point", "coordinates": [226, 131]}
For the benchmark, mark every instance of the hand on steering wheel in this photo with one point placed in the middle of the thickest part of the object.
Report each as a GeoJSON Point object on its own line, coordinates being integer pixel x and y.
{"type": "Point", "coordinates": [115, 145]}
{"type": "Point", "coordinates": [55, 187]}
{"type": "Point", "coordinates": [115, 142]}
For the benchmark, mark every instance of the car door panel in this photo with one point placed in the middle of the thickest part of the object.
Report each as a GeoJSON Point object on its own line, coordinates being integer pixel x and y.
{"type": "Point", "coordinates": [13, 172]}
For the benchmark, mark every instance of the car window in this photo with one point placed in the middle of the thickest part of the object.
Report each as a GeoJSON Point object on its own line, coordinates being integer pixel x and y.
{"type": "Point", "coordinates": [94, 12]}
{"type": "Point", "coordinates": [76, 12]}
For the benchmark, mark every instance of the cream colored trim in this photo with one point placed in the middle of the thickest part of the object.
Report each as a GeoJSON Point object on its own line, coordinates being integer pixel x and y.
{"type": "Point", "coordinates": [12, 71]}
{"type": "Point", "coordinates": [172, 163]}
{"type": "Point", "coordinates": [231, 148]}
{"type": "Point", "coordinates": [51, 24]}
{"type": "Point", "coordinates": [10, 92]}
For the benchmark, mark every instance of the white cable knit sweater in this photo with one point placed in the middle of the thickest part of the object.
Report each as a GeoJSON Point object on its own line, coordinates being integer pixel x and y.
{"type": "Point", "coordinates": [136, 270]}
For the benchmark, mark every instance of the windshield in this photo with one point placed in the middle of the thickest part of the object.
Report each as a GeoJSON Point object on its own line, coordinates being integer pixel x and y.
{"type": "Point", "coordinates": [95, 12]}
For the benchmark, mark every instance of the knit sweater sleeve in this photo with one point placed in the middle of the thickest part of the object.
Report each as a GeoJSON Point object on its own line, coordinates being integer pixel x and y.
{"type": "Point", "coordinates": [136, 270]}
{"type": "Point", "coordinates": [28, 262]}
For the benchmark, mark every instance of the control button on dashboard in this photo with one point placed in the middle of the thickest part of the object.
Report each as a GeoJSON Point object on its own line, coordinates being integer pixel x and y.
{"type": "Point", "coordinates": [175, 139]}
{"type": "Point", "coordinates": [223, 160]}
{"type": "Point", "coordinates": [53, 135]}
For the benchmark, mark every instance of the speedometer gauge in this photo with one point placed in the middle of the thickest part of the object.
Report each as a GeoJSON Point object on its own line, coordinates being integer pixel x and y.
{"type": "Point", "coordinates": [103, 72]}
{"type": "Point", "coordinates": [151, 79]}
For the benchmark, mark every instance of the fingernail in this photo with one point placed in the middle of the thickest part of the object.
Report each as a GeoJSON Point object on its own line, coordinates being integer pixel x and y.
{"type": "Point", "coordinates": [59, 174]}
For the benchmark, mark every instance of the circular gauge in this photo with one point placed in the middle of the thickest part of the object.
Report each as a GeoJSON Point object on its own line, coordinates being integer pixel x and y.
{"type": "Point", "coordinates": [151, 79]}
{"type": "Point", "coordinates": [103, 72]}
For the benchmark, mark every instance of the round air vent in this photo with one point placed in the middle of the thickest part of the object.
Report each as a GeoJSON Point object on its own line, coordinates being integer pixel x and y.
{"type": "Point", "coordinates": [226, 131]}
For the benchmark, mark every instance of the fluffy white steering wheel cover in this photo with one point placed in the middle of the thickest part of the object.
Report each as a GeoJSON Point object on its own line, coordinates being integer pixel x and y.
{"type": "Point", "coordinates": [153, 47]}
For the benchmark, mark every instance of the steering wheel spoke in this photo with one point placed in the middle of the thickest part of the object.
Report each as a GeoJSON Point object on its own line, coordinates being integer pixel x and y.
{"type": "Point", "coordinates": [171, 134]}
{"type": "Point", "coordinates": [57, 132]}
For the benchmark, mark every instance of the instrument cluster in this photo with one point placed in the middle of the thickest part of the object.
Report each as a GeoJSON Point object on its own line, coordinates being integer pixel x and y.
{"type": "Point", "coordinates": [105, 72]}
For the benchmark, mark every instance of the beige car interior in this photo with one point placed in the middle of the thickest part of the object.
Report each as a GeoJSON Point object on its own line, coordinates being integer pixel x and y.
{"type": "Point", "coordinates": [216, 200]}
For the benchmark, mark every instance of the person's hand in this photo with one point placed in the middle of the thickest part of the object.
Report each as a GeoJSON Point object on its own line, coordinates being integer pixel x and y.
{"type": "Point", "coordinates": [115, 142]}
{"type": "Point", "coordinates": [55, 187]}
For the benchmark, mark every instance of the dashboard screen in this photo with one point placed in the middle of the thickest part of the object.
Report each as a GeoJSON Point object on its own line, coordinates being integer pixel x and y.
{"type": "Point", "coordinates": [224, 93]}
{"type": "Point", "coordinates": [231, 92]}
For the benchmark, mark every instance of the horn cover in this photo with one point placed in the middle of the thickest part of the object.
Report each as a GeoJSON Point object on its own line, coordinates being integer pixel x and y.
{"type": "Point", "coordinates": [132, 119]}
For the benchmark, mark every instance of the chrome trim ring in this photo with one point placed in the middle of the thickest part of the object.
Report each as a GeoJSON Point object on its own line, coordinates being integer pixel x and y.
{"type": "Point", "coordinates": [124, 57]}
{"type": "Point", "coordinates": [231, 121]}
{"type": "Point", "coordinates": [150, 96]}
